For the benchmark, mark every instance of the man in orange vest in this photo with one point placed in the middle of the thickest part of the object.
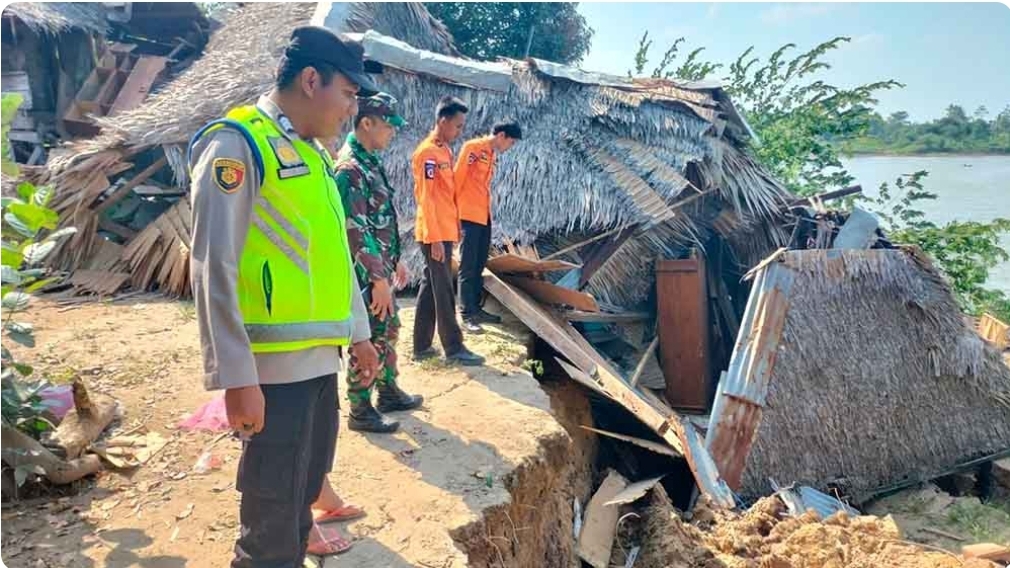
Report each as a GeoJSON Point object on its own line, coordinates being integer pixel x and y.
{"type": "Point", "coordinates": [474, 170]}
{"type": "Point", "coordinates": [436, 229]}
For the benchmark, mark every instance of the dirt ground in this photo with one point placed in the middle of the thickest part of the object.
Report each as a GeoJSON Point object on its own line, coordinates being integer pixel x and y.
{"type": "Point", "coordinates": [446, 466]}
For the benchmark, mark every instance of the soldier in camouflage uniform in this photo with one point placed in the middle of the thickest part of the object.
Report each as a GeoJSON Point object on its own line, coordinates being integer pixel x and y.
{"type": "Point", "coordinates": [374, 239]}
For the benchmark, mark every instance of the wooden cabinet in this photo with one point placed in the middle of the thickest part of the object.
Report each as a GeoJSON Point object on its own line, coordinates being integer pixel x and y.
{"type": "Point", "coordinates": [684, 333]}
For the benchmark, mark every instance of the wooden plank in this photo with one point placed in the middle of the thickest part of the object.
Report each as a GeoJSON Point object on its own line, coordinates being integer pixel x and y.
{"type": "Point", "coordinates": [597, 537]}
{"type": "Point", "coordinates": [647, 444]}
{"type": "Point", "coordinates": [515, 264]}
{"type": "Point", "coordinates": [643, 361]}
{"type": "Point", "coordinates": [127, 187]}
{"type": "Point", "coordinates": [548, 293]}
{"type": "Point", "coordinates": [601, 253]}
{"type": "Point", "coordinates": [138, 84]}
{"type": "Point", "coordinates": [603, 317]}
{"type": "Point", "coordinates": [987, 551]}
{"type": "Point", "coordinates": [538, 320]}
{"type": "Point", "coordinates": [113, 227]}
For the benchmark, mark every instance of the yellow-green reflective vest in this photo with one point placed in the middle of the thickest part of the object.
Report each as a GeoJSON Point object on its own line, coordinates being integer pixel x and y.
{"type": "Point", "coordinates": [295, 272]}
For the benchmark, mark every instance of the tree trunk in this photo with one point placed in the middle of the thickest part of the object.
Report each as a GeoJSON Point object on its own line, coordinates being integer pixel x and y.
{"type": "Point", "coordinates": [82, 425]}
{"type": "Point", "coordinates": [21, 449]}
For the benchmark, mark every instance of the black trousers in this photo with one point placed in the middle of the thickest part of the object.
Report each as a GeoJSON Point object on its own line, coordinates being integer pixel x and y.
{"type": "Point", "coordinates": [436, 304]}
{"type": "Point", "coordinates": [282, 471]}
{"type": "Point", "coordinates": [473, 251]}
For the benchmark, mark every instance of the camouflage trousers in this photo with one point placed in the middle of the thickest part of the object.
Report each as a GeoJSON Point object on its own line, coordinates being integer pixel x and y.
{"type": "Point", "coordinates": [385, 332]}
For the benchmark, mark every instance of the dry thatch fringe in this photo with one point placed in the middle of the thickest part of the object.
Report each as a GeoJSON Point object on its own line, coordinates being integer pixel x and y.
{"type": "Point", "coordinates": [878, 370]}
{"type": "Point", "coordinates": [409, 22]}
{"type": "Point", "coordinates": [58, 17]}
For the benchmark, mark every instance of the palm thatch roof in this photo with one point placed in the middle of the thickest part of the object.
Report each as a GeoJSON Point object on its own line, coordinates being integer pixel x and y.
{"type": "Point", "coordinates": [59, 17]}
{"type": "Point", "coordinates": [599, 152]}
{"type": "Point", "coordinates": [878, 371]}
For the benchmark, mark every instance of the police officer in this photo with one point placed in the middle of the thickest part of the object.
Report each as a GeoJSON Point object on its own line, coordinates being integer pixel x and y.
{"type": "Point", "coordinates": [274, 285]}
{"type": "Point", "coordinates": [374, 236]}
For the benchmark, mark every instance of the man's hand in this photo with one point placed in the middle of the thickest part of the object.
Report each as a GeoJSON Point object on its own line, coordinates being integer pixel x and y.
{"type": "Point", "coordinates": [438, 251]}
{"type": "Point", "coordinates": [367, 361]}
{"type": "Point", "coordinates": [382, 299]}
{"type": "Point", "coordinates": [401, 277]}
{"type": "Point", "coordinates": [246, 409]}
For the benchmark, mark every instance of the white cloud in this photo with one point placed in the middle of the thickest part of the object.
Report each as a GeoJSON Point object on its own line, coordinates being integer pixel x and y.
{"type": "Point", "coordinates": [713, 11]}
{"type": "Point", "coordinates": [868, 40]}
{"type": "Point", "coordinates": [780, 14]}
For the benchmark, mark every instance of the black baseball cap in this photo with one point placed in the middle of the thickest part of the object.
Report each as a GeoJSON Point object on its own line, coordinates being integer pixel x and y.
{"type": "Point", "coordinates": [317, 44]}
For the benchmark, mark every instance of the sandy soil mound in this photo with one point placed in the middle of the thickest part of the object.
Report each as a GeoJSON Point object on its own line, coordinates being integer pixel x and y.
{"type": "Point", "coordinates": [763, 537]}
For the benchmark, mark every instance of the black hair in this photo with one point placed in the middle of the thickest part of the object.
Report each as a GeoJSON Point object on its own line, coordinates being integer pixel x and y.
{"type": "Point", "coordinates": [289, 69]}
{"type": "Point", "coordinates": [510, 129]}
{"type": "Point", "coordinates": [449, 107]}
{"type": "Point", "coordinates": [359, 117]}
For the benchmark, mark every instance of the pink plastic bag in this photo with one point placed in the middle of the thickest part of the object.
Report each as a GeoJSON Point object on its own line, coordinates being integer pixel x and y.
{"type": "Point", "coordinates": [211, 416]}
{"type": "Point", "coordinates": [59, 399]}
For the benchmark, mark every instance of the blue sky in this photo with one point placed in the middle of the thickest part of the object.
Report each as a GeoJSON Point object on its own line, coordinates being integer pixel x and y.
{"type": "Point", "coordinates": [942, 52]}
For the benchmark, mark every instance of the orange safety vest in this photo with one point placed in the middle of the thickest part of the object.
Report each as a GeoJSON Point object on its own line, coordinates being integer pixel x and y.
{"type": "Point", "coordinates": [473, 180]}
{"type": "Point", "coordinates": [434, 192]}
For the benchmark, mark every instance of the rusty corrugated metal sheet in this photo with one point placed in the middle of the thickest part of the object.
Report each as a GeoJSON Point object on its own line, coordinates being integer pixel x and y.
{"type": "Point", "coordinates": [740, 398]}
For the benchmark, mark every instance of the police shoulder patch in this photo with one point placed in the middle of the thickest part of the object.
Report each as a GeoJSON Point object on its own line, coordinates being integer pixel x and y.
{"type": "Point", "coordinates": [228, 174]}
{"type": "Point", "coordinates": [429, 169]}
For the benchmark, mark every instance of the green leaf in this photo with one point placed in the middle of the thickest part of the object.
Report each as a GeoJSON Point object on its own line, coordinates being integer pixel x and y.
{"type": "Point", "coordinates": [11, 254]}
{"type": "Point", "coordinates": [59, 234]}
{"type": "Point", "coordinates": [25, 370]}
{"type": "Point", "coordinates": [34, 286]}
{"type": "Point", "coordinates": [15, 301]}
{"type": "Point", "coordinates": [35, 216]}
{"type": "Point", "coordinates": [26, 190]}
{"type": "Point", "coordinates": [20, 327]}
{"type": "Point", "coordinates": [43, 195]}
{"type": "Point", "coordinates": [22, 338]}
{"type": "Point", "coordinates": [37, 252]}
{"type": "Point", "coordinates": [18, 225]}
{"type": "Point", "coordinates": [5, 201]}
{"type": "Point", "coordinates": [8, 275]}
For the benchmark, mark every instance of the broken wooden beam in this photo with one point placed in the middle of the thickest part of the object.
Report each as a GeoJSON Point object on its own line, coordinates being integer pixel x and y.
{"type": "Point", "coordinates": [643, 361]}
{"type": "Point", "coordinates": [604, 317]}
{"type": "Point", "coordinates": [515, 264]}
{"type": "Point", "coordinates": [127, 187]}
{"type": "Point", "coordinates": [642, 443]}
{"type": "Point", "coordinates": [548, 293]}
{"type": "Point", "coordinates": [827, 196]}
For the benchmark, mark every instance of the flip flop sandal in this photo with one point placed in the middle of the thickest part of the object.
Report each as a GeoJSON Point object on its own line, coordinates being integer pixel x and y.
{"type": "Point", "coordinates": [345, 513]}
{"type": "Point", "coordinates": [326, 544]}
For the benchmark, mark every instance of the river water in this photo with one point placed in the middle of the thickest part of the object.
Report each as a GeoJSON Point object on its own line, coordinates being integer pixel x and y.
{"type": "Point", "coordinates": [968, 188]}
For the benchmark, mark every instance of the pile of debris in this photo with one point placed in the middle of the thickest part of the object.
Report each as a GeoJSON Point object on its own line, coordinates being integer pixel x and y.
{"type": "Point", "coordinates": [636, 525]}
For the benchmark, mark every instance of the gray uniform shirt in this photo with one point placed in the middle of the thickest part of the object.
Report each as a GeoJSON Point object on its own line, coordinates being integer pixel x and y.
{"type": "Point", "coordinates": [220, 224]}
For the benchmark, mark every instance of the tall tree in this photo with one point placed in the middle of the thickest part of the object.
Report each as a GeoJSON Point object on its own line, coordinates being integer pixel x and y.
{"type": "Point", "coordinates": [545, 30]}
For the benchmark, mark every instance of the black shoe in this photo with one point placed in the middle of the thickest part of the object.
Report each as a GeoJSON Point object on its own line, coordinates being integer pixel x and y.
{"type": "Point", "coordinates": [428, 353]}
{"type": "Point", "coordinates": [470, 325]}
{"type": "Point", "coordinates": [487, 317]}
{"type": "Point", "coordinates": [365, 418]}
{"type": "Point", "coordinates": [393, 399]}
{"type": "Point", "coordinates": [466, 358]}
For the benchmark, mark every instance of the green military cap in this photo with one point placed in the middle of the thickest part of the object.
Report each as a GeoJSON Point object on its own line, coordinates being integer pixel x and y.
{"type": "Point", "coordinates": [381, 104]}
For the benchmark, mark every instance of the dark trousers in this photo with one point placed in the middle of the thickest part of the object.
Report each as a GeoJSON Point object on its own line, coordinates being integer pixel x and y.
{"type": "Point", "coordinates": [473, 251]}
{"type": "Point", "coordinates": [436, 304]}
{"type": "Point", "coordinates": [282, 471]}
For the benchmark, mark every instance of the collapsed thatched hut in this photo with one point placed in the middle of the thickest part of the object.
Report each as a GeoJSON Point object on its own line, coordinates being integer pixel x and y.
{"type": "Point", "coordinates": [658, 165]}
{"type": "Point", "coordinates": [860, 374]}
{"type": "Point", "coordinates": [47, 55]}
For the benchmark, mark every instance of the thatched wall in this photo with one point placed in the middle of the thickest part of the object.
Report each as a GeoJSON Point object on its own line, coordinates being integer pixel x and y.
{"type": "Point", "coordinates": [58, 17]}
{"type": "Point", "coordinates": [877, 378]}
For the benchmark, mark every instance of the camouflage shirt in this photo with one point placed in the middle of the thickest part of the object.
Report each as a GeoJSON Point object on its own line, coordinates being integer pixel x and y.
{"type": "Point", "coordinates": [372, 231]}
